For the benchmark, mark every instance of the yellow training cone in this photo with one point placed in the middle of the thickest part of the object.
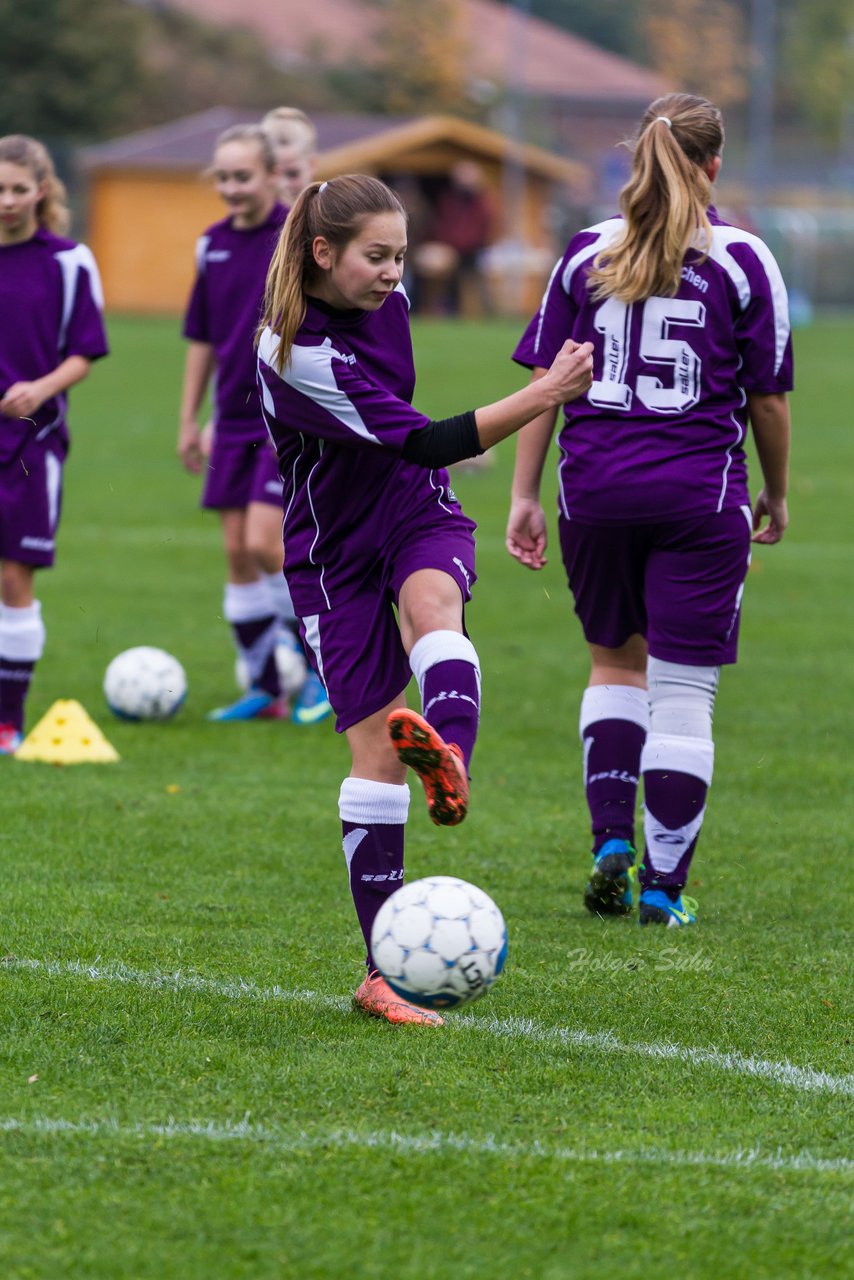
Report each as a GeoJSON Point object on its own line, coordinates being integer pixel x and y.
{"type": "Point", "coordinates": [67, 734]}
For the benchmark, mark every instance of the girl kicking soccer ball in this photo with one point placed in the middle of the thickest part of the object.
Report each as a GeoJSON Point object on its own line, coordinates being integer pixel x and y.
{"type": "Point", "coordinates": [371, 524]}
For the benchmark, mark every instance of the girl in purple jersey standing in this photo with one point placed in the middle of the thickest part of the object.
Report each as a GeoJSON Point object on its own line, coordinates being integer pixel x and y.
{"type": "Point", "coordinates": [378, 553]}
{"type": "Point", "coordinates": [689, 323]}
{"type": "Point", "coordinates": [242, 481]}
{"type": "Point", "coordinates": [51, 329]}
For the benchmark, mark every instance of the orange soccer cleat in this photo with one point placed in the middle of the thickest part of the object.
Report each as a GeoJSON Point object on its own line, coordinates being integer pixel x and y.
{"type": "Point", "coordinates": [438, 764]}
{"type": "Point", "coordinates": [376, 997]}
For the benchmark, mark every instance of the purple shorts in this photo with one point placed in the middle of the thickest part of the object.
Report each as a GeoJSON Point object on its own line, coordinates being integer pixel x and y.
{"type": "Point", "coordinates": [678, 583]}
{"type": "Point", "coordinates": [356, 647]}
{"type": "Point", "coordinates": [239, 472]}
{"type": "Point", "coordinates": [30, 503]}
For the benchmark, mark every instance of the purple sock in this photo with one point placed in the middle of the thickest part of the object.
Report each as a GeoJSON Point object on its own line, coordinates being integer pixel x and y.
{"type": "Point", "coordinates": [451, 703]}
{"type": "Point", "coordinates": [613, 729]}
{"type": "Point", "coordinates": [373, 824]}
{"type": "Point", "coordinates": [14, 685]}
{"type": "Point", "coordinates": [446, 667]}
{"type": "Point", "coordinates": [677, 773]}
{"type": "Point", "coordinates": [256, 641]}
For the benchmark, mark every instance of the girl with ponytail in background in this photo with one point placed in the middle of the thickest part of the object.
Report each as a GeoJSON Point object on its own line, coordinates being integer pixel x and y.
{"type": "Point", "coordinates": [689, 324]}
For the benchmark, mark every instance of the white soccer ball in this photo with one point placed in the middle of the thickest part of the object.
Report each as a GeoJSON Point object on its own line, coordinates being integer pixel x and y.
{"type": "Point", "coordinates": [439, 942]}
{"type": "Point", "coordinates": [145, 684]}
{"type": "Point", "coordinates": [290, 661]}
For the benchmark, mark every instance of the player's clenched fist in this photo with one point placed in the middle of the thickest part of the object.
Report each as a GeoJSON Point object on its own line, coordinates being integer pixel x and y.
{"type": "Point", "coordinates": [572, 371]}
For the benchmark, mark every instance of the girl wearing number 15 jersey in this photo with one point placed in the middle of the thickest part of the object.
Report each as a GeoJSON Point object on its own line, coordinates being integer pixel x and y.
{"type": "Point", "coordinates": [689, 323]}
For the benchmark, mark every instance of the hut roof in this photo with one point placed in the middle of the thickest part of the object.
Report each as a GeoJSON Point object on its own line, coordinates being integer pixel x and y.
{"type": "Point", "coordinates": [345, 142]}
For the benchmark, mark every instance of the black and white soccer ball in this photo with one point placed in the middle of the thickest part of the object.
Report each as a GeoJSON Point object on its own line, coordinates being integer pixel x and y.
{"type": "Point", "coordinates": [439, 942]}
{"type": "Point", "coordinates": [145, 684]}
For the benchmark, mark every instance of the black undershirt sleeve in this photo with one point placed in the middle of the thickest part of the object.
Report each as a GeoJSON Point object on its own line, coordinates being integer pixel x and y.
{"type": "Point", "coordinates": [443, 442]}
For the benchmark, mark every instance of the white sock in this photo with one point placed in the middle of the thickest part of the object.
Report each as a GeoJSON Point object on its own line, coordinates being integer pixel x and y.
{"type": "Point", "coordinates": [22, 633]}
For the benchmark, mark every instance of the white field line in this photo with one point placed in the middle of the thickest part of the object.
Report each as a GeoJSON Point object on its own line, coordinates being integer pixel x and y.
{"type": "Point", "coordinates": [299, 1142]}
{"type": "Point", "coordinates": [803, 1079]}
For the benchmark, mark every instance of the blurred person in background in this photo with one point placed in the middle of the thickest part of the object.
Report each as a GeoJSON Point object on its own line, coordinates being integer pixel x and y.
{"type": "Point", "coordinates": [463, 223]}
{"type": "Point", "coordinates": [241, 479]}
{"type": "Point", "coordinates": [294, 138]}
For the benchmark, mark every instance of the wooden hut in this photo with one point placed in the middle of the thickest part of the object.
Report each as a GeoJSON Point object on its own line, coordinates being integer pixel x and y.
{"type": "Point", "coordinates": [149, 198]}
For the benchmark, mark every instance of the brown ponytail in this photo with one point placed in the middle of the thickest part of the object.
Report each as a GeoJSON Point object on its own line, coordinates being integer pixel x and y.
{"type": "Point", "coordinates": [664, 202]}
{"type": "Point", "coordinates": [336, 210]}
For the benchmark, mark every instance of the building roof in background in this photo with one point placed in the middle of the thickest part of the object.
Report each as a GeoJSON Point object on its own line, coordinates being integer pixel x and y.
{"type": "Point", "coordinates": [392, 139]}
{"type": "Point", "coordinates": [188, 143]}
{"type": "Point", "coordinates": [344, 141]}
{"type": "Point", "coordinates": [504, 47]}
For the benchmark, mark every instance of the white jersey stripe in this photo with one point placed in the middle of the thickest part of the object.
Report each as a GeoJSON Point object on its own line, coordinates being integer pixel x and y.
{"type": "Point", "coordinates": [309, 370]}
{"type": "Point", "coordinates": [201, 253]}
{"type": "Point", "coordinates": [606, 234]}
{"type": "Point", "coordinates": [71, 263]}
{"type": "Point", "coordinates": [719, 252]}
{"type": "Point", "coordinates": [544, 303]}
{"type": "Point", "coordinates": [310, 496]}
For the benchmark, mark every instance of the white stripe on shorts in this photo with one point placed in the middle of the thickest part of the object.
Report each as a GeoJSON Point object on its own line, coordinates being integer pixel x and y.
{"type": "Point", "coordinates": [53, 473]}
{"type": "Point", "coordinates": [312, 639]}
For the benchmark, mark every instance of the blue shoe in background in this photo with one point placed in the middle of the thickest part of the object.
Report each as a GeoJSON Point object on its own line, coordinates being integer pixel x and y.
{"type": "Point", "coordinates": [255, 704]}
{"type": "Point", "coordinates": [311, 704]}
{"type": "Point", "coordinates": [10, 739]}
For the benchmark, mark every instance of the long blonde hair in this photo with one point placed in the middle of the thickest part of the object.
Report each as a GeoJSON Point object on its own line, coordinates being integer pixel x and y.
{"type": "Point", "coordinates": [665, 201]}
{"type": "Point", "coordinates": [52, 210]}
{"type": "Point", "coordinates": [336, 210]}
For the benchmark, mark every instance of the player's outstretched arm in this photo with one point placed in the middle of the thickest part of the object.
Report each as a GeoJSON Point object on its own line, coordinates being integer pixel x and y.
{"type": "Point", "coordinates": [769, 418]}
{"type": "Point", "coordinates": [449, 440]}
{"type": "Point", "coordinates": [570, 376]}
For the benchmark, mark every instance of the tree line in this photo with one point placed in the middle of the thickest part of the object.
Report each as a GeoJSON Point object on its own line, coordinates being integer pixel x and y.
{"type": "Point", "coordinates": [81, 70]}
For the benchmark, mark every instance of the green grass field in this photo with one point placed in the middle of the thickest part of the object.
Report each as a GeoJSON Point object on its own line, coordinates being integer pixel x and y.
{"type": "Point", "coordinates": [186, 1090]}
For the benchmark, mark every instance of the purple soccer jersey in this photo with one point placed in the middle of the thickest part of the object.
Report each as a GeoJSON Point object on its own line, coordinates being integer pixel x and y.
{"type": "Point", "coordinates": [660, 433]}
{"type": "Point", "coordinates": [224, 310]}
{"type": "Point", "coordinates": [339, 414]}
{"type": "Point", "coordinates": [51, 307]}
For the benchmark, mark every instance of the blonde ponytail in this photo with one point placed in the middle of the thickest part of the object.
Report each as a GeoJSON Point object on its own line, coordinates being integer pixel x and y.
{"type": "Point", "coordinates": [664, 203]}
